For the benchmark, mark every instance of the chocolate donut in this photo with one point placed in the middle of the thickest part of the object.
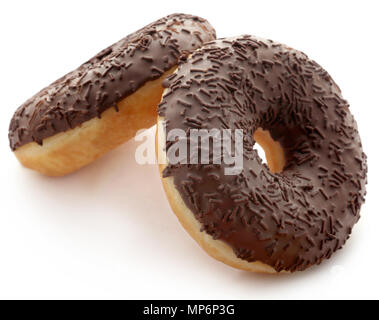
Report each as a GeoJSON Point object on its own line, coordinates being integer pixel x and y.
{"type": "Point", "coordinates": [258, 220]}
{"type": "Point", "coordinates": [106, 100]}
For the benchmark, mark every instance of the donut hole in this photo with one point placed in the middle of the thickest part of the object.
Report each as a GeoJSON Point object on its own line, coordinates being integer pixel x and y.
{"type": "Point", "coordinates": [261, 153]}
{"type": "Point", "coordinates": [272, 150]}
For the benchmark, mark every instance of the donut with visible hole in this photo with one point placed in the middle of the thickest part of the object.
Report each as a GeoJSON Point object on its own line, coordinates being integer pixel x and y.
{"type": "Point", "coordinates": [285, 217]}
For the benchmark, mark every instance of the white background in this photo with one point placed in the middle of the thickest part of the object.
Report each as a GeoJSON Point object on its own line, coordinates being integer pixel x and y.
{"type": "Point", "coordinates": [107, 231]}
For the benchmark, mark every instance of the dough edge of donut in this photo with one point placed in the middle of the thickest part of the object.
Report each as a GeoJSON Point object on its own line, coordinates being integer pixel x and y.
{"type": "Point", "coordinates": [68, 151]}
{"type": "Point", "coordinates": [217, 249]}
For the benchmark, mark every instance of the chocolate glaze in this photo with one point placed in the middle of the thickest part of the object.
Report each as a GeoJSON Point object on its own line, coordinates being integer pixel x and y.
{"type": "Point", "coordinates": [111, 75]}
{"type": "Point", "coordinates": [289, 220]}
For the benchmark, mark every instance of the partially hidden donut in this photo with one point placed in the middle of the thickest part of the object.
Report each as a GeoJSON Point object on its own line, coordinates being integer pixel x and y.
{"type": "Point", "coordinates": [302, 210]}
{"type": "Point", "coordinates": [105, 101]}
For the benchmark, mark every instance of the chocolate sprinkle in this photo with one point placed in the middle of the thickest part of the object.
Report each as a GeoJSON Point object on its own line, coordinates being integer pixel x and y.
{"type": "Point", "coordinates": [289, 220]}
{"type": "Point", "coordinates": [110, 76]}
